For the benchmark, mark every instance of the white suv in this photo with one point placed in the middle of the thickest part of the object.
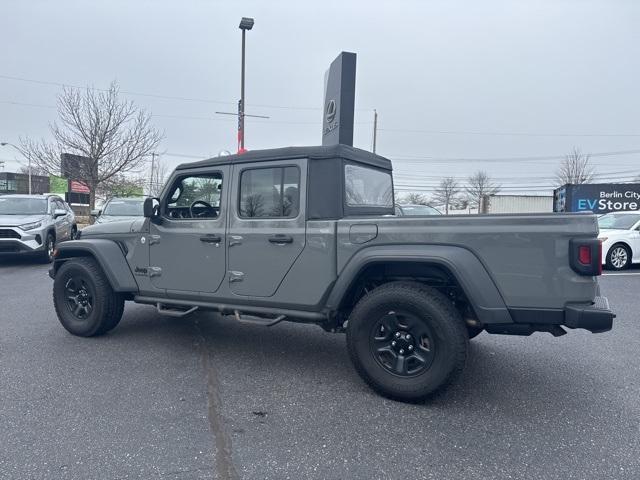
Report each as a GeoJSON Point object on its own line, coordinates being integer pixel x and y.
{"type": "Point", "coordinates": [35, 223]}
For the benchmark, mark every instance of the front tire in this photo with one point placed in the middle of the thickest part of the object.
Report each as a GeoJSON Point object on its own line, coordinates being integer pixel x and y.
{"type": "Point", "coordinates": [84, 301]}
{"type": "Point", "coordinates": [407, 341]}
{"type": "Point", "coordinates": [618, 257]}
{"type": "Point", "coordinates": [46, 256]}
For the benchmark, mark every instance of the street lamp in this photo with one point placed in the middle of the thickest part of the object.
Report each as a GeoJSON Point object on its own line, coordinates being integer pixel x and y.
{"type": "Point", "coordinates": [245, 24]}
{"type": "Point", "coordinates": [5, 144]}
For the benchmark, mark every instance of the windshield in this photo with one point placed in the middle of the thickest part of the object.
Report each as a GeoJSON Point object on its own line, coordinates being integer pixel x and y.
{"type": "Point", "coordinates": [129, 208]}
{"type": "Point", "coordinates": [618, 221]}
{"type": "Point", "coordinates": [419, 210]}
{"type": "Point", "coordinates": [22, 206]}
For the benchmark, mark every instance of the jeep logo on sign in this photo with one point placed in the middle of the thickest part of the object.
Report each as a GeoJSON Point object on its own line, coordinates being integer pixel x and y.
{"type": "Point", "coordinates": [330, 113]}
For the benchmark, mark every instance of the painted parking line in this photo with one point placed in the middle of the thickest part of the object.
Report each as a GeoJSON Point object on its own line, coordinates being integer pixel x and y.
{"type": "Point", "coordinates": [631, 274]}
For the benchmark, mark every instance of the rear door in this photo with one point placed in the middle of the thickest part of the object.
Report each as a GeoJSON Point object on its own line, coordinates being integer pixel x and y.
{"type": "Point", "coordinates": [266, 225]}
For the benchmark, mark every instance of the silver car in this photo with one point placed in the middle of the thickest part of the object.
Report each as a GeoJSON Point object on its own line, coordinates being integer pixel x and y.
{"type": "Point", "coordinates": [34, 224]}
{"type": "Point", "coordinates": [118, 209]}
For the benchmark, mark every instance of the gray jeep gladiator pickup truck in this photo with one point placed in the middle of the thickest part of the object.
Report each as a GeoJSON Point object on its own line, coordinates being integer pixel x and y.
{"type": "Point", "coordinates": [308, 234]}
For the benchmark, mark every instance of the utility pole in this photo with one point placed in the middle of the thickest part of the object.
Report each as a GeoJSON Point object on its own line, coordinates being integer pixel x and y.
{"type": "Point", "coordinates": [245, 24]}
{"type": "Point", "coordinates": [375, 129]}
{"type": "Point", "coordinates": [153, 161]}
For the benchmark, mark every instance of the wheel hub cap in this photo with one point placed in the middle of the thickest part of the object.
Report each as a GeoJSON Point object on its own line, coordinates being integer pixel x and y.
{"type": "Point", "coordinates": [401, 343]}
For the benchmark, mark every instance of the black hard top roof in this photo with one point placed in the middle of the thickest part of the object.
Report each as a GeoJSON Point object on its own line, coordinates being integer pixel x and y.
{"type": "Point", "coordinates": [313, 153]}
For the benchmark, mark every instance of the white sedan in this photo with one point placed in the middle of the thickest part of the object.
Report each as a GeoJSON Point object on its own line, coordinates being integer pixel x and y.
{"type": "Point", "coordinates": [620, 237]}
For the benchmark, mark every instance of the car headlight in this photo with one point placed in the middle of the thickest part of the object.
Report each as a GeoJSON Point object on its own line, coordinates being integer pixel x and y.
{"type": "Point", "coordinates": [31, 226]}
{"type": "Point", "coordinates": [603, 239]}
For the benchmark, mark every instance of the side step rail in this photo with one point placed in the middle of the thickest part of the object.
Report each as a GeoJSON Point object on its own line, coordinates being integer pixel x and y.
{"type": "Point", "coordinates": [253, 320]}
{"type": "Point", "coordinates": [170, 311]}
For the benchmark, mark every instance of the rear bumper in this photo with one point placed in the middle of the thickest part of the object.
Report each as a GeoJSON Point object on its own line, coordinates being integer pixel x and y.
{"type": "Point", "coordinates": [595, 317]}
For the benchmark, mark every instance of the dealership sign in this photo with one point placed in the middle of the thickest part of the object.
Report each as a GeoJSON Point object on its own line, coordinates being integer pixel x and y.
{"type": "Point", "coordinates": [597, 197]}
{"type": "Point", "coordinates": [339, 100]}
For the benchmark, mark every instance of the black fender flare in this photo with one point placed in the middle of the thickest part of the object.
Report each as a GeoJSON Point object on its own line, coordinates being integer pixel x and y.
{"type": "Point", "coordinates": [463, 264]}
{"type": "Point", "coordinates": [109, 256]}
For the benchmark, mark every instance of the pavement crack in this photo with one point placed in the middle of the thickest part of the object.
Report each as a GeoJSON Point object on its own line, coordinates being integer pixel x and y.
{"type": "Point", "coordinates": [222, 441]}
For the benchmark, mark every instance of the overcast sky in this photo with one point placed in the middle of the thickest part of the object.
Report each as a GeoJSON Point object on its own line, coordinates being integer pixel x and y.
{"type": "Point", "coordinates": [458, 85]}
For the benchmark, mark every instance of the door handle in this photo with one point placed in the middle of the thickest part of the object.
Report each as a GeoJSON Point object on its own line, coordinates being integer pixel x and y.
{"type": "Point", "coordinates": [280, 239]}
{"type": "Point", "coordinates": [210, 239]}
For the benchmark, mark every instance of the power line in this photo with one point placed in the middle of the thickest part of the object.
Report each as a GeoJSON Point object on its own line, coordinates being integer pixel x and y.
{"type": "Point", "coordinates": [190, 117]}
{"type": "Point", "coordinates": [507, 134]}
{"type": "Point", "coordinates": [153, 95]}
{"type": "Point", "coordinates": [415, 159]}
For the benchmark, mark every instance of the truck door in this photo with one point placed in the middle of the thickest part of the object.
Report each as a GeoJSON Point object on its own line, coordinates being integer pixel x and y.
{"type": "Point", "coordinates": [187, 248]}
{"type": "Point", "coordinates": [266, 224]}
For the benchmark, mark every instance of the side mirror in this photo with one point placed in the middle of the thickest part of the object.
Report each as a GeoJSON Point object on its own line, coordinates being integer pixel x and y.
{"type": "Point", "coordinates": [59, 212]}
{"type": "Point", "coordinates": [151, 208]}
{"type": "Point", "coordinates": [95, 212]}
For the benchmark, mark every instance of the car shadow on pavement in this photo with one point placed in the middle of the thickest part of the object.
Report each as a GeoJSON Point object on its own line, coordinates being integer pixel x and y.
{"type": "Point", "coordinates": [18, 260]}
{"type": "Point", "coordinates": [498, 373]}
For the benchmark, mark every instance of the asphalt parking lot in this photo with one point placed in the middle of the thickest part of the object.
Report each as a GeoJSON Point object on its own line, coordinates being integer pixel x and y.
{"type": "Point", "coordinates": [204, 397]}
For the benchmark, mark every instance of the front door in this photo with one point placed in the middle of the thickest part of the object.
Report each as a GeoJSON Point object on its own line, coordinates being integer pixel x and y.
{"type": "Point", "coordinates": [266, 225]}
{"type": "Point", "coordinates": [63, 222]}
{"type": "Point", "coordinates": [187, 246]}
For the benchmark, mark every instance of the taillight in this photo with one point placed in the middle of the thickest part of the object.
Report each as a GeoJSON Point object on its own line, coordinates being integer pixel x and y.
{"type": "Point", "coordinates": [585, 256]}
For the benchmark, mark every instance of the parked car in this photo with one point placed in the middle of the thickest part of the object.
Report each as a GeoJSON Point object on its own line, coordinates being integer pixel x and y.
{"type": "Point", "coordinates": [416, 210]}
{"type": "Point", "coordinates": [307, 234]}
{"type": "Point", "coordinates": [34, 224]}
{"type": "Point", "coordinates": [620, 236]}
{"type": "Point", "coordinates": [118, 209]}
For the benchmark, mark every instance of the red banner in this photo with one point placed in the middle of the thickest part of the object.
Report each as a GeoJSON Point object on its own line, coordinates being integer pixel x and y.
{"type": "Point", "coordinates": [78, 187]}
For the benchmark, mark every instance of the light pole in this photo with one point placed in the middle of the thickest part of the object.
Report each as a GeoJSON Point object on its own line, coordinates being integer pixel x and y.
{"type": "Point", "coordinates": [245, 24]}
{"type": "Point", "coordinates": [4, 144]}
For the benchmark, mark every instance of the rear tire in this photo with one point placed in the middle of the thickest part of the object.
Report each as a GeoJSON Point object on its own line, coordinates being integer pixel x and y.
{"type": "Point", "coordinates": [407, 341]}
{"type": "Point", "coordinates": [84, 301]}
{"type": "Point", "coordinates": [618, 257]}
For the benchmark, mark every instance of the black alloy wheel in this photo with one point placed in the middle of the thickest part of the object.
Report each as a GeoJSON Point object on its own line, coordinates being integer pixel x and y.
{"type": "Point", "coordinates": [79, 296]}
{"type": "Point", "coordinates": [402, 344]}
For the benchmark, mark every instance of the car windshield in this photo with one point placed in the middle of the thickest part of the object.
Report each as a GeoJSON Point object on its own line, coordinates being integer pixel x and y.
{"type": "Point", "coordinates": [130, 208]}
{"type": "Point", "coordinates": [618, 221]}
{"type": "Point", "coordinates": [419, 210]}
{"type": "Point", "coordinates": [22, 206]}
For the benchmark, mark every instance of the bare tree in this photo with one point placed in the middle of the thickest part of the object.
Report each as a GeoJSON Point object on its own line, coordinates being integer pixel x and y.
{"type": "Point", "coordinates": [35, 170]}
{"type": "Point", "coordinates": [114, 135]}
{"type": "Point", "coordinates": [415, 199]}
{"type": "Point", "coordinates": [478, 185]}
{"type": "Point", "coordinates": [121, 185]}
{"type": "Point", "coordinates": [447, 193]}
{"type": "Point", "coordinates": [158, 177]}
{"type": "Point", "coordinates": [576, 168]}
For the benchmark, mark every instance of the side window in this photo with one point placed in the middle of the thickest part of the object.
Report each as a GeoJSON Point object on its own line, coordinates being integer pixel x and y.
{"type": "Point", "coordinates": [195, 196]}
{"type": "Point", "coordinates": [366, 187]}
{"type": "Point", "coordinates": [270, 192]}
